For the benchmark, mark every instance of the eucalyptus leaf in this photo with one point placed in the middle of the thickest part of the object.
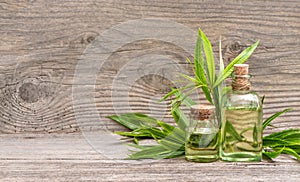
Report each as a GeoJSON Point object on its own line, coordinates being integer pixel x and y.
{"type": "Point", "coordinates": [186, 101]}
{"type": "Point", "coordinates": [155, 152]}
{"type": "Point", "coordinates": [135, 140]}
{"type": "Point", "coordinates": [284, 133]}
{"type": "Point", "coordinates": [255, 135]}
{"type": "Point", "coordinates": [209, 58]}
{"type": "Point", "coordinates": [296, 148]}
{"type": "Point", "coordinates": [189, 78]}
{"type": "Point", "coordinates": [274, 154]}
{"type": "Point", "coordinates": [231, 130]}
{"type": "Point", "coordinates": [293, 137]}
{"type": "Point", "coordinates": [180, 118]}
{"type": "Point", "coordinates": [173, 90]}
{"type": "Point", "coordinates": [271, 118]}
{"type": "Point", "coordinates": [221, 64]}
{"type": "Point", "coordinates": [198, 60]}
{"type": "Point", "coordinates": [133, 134]}
{"type": "Point", "coordinates": [154, 133]}
{"type": "Point", "coordinates": [291, 152]}
{"type": "Point", "coordinates": [275, 142]}
{"type": "Point", "coordinates": [171, 145]}
{"type": "Point", "coordinates": [199, 66]}
{"type": "Point", "coordinates": [166, 127]}
{"type": "Point", "coordinates": [241, 58]}
{"type": "Point", "coordinates": [134, 121]}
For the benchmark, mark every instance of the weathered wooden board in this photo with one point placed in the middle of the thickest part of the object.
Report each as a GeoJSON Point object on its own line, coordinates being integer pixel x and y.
{"type": "Point", "coordinates": [53, 81]}
{"type": "Point", "coordinates": [71, 158]}
{"type": "Point", "coordinates": [41, 43]}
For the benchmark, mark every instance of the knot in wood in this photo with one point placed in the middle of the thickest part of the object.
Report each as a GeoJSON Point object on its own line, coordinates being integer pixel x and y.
{"type": "Point", "coordinates": [235, 47]}
{"type": "Point", "coordinates": [90, 39]}
{"type": "Point", "coordinates": [29, 92]}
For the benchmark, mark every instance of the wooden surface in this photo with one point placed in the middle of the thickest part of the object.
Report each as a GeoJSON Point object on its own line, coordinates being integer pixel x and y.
{"type": "Point", "coordinates": [48, 91]}
{"type": "Point", "coordinates": [71, 158]}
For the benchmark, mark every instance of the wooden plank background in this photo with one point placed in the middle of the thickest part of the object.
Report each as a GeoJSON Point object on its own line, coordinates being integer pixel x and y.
{"type": "Point", "coordinates": [42, 43]}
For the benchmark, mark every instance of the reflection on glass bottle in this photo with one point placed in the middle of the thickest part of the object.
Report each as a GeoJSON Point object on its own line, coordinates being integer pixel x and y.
{"type": "Point", "coordinates": [202, 136]}
{"type": "Point", "coordinates": [241, 138]}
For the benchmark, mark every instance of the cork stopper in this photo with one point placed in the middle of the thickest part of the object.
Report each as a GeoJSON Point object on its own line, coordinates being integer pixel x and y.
{"type": "Point", "coordinates": [241, 69]}
{"type": "Point", "coordinates": [241, 77]}
{"type": "Point", "coordinates": [202, 111]}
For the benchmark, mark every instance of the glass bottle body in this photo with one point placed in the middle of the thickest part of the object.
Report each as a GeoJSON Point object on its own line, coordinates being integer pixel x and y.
{"type": "Point", "coordinates": [202, 139]}
{"type": "Point", "coordinates": [241, 138]}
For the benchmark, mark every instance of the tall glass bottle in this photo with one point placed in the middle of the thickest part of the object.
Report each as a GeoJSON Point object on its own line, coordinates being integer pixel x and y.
{"type": "Point", "coordinates": [202, 135]}
{"type": "Point", "coordinates": [241, 132]}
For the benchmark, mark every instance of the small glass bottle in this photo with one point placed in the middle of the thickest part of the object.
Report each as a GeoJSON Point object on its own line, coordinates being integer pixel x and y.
{"type": "Point", "coordinates": [202, 135]}
{"type": "Point", "coordinates": [241, 138]}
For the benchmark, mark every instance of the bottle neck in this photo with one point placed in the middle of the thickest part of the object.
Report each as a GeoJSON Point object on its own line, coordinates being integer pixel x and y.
{"type": "Point", "coordinates": [241, 83]}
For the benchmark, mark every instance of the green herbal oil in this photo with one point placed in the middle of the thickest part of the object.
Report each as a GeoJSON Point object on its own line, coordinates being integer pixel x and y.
{"type": "Point", "coordinates": [203, 145]}
{"type": "Point", "coordinates": [242, 139]}
{"type": "Point", "coordinates": [241, 134]}
{"type": "Point", "coordinates": [202, 135]}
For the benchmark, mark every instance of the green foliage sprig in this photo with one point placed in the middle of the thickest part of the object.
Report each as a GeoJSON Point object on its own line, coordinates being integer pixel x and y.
{"type": "Point", "coordinates": [171, 139]}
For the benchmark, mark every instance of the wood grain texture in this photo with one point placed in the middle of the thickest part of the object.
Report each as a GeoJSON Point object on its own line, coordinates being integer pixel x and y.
{"type": "Point", "coordinates": [51, 126]}
{"type": "Point", "coordinates": [70, 158]}
{"type": "Point", "coordinates": [41, 43]}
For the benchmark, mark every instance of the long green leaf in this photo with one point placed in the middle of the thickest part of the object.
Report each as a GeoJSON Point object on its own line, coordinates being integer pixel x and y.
{"type": "Point", "coordinates": [166, 127]}
{"type": "Point", "coordinates": [271, 118]}
{"type": "Point", "coordinates": [180, 118]}
{"type": "Point", "coordinates": [184, 98]}
{"type": "Point", "coordinates": [241, 58]}
{"type": "Point", "coordinates": [149, 153]}
{"type": "Point", "coordinates": [155, 152]}
{"type": "Point", "coordinates": [177, 92]}
{"type": "Point", "coordinates": [284, 133]}
{"type": "Point", "coordinates": [275, 142]}
{"type": "Point", "coordinates": [133, 134]}
{"type": "Point", "coordinates": [141, 147]}
{"type": "Point", "coordinates": [231, 130]}
{"type": "Point", "coordinates": [175, 141]}
{"type": "Point", "coordinates": [199, 66]}
{"type": "Point", "coordinates": [274, 154]}
{"type": "Point", "coordinates": [154, 133]}
{"type": "Point", "coordinates": [170, 145]}
{"type": "Point", "coordinates": [173, 90]}
{"type": "Point", "coordinates": [177, 135]}
{"type": "Point", "coordinates": [296, 148]}
{"type": "Point", "coordinates": [134, 121]}
{"type": "Point", "coordinates": [294, 137]}
{"type": "Point", "coordinates": [221, 66]}
{"type": "Point", "coordinates": [174, 154]}
{"type": "Point", "coordinates": [291, 152]}
{"type": "Point", "coordinates": [209, 58]}
{"type": "Point", "coordinates": [191, 79]}
{"type": "Point", "coordinates": [198, 60]}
